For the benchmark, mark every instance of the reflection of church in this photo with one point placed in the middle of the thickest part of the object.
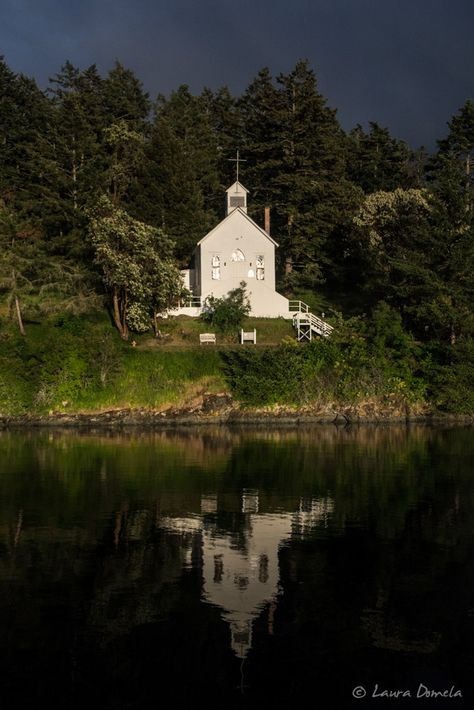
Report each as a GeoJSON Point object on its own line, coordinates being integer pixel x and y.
{"type": "Point", "coordinates": [241, 573]}
{"type": "Point", "coordinates": [241, 581]}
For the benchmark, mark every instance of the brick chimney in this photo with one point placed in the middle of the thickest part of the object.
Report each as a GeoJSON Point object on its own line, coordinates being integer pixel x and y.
{"type": "Point", "coordinates": [267, 220]}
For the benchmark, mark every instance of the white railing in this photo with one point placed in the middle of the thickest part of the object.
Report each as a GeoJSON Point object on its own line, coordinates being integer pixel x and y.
{"type": "Point", "coordinates": [192, 302]}
{"type": "Point", "coordinates": [308, 321]}
{"type": "Point", "coordinates": [320, 324]}
{"type": "Point", "coordinates": [299, 306]}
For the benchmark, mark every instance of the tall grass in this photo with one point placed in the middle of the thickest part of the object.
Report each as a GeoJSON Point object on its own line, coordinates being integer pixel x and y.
{"type": "Point", "coordinates": [74, 364]}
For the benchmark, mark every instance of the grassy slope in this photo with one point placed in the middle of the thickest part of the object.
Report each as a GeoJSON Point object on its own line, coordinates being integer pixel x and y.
{"type": "Point", "coordinates": [80, 364]}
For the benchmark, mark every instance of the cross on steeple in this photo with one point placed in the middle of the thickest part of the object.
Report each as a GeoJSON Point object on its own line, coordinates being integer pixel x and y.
{"type": "Point", "coordinates": [237, 160]}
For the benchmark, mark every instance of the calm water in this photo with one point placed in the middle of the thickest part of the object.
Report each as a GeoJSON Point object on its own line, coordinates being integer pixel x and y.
{"type": "Point", "coordinates": [235, 568]}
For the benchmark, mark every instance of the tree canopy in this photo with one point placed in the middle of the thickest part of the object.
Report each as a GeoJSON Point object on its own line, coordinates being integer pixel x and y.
{"type": "Point", "coordinates": [105, 186]}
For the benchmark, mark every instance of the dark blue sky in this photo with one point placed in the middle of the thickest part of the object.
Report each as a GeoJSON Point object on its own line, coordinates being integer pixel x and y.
{"type": "Point", "coordinates": [407, 64]}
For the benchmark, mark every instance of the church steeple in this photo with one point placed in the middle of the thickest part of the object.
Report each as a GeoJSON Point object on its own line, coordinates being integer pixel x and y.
{"type": "Point", "coordinates": [236, 196]}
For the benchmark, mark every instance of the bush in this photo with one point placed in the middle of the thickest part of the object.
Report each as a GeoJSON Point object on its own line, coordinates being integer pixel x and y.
{"type": "Point", "coordinates": [227, 314]}
{"type": "Point", "coordinates": [362, 360]}
{"type": "Point", "coordinates": [452, 387]}
{"type": "Point", "coordinates": [266, 376]}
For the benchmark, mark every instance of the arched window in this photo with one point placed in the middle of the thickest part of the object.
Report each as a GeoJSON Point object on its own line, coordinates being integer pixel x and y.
{"type": "Point", "coordinates": [260, 265]}
{"type": "Point", "coordinates": [237, 255]}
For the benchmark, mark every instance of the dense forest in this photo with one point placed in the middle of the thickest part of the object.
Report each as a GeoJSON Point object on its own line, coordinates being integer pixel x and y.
{"type": "Point", "coordinates": [104, 193]}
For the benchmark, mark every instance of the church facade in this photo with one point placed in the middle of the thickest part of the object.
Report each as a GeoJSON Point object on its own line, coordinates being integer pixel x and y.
{"type": "Point", "coordinates": [235, 250]}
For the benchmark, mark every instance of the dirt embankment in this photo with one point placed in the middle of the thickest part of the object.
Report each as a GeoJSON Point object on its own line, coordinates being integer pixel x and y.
{"type": "Point", "coordinates": [211, 408]}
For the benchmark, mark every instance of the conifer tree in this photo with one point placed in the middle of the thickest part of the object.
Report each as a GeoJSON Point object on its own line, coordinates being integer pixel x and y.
{"type": "Point", "coordinates": [225, 121]}
{"type": "Point", "coordinates": [376, 161]}
{"type": "Point", "coordinates": [179, 181]}
{"type": "Point", "coordinates": [28, 173]}
{"type": "Point", "coordinates": [167, 194]}
{"type": "Point", "coordinates": [261, 147]}
{"type": "Point", "coordinates": [418, 262]}
{"type": "Point", "coordinates": [80, 119]}
{"type": "Point", "coordinates": [125, 98]}
{"type": "Point", "coordinates": [451, 171]}
{"type": "Point", "coordinates": [311, 192]}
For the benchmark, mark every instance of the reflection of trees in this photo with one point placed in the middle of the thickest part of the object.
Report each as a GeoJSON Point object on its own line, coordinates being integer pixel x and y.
{"type": "Point", "coordinates": [381, 529]}
{"type": "Point", "coordinates": [376, 475]}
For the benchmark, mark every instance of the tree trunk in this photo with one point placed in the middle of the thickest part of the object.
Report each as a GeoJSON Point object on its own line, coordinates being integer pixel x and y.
{"type": "Point", "coordinates": [117, 317]}
{"type": "Point", "coordinates": [17, 305]}
{"type": "Point", "coordinates": [74, 175]}
{"type": "Point", "coordinates": [124, 316]}
{"type": "Point", "coordinates": [19, 316]}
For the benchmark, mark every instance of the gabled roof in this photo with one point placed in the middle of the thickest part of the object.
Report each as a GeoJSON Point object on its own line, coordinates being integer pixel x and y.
{"type": "Point", "coordinates": [237, 184]}
{"type": "Point", "coordinates": [238, 210]}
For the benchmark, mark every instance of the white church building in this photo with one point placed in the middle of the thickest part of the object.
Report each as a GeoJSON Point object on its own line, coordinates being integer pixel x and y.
{"type": "Point", "coordinates": [235, 250]}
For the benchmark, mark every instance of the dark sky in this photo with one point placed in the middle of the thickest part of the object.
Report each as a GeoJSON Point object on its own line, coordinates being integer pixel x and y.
{"type": "Point", "coordinates": [407, 64]}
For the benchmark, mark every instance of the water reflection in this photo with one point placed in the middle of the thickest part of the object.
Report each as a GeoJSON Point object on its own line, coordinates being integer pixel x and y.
{"type": "Point", "coordinates": [345, 554]}
{"type": "Point", "coordinates": [241, 574]}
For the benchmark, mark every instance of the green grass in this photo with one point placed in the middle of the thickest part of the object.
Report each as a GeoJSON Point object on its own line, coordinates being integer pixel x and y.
{"type": "Point", "coordinates": [183, 332]}
{"type": "Point", "coordinates": [152, 379]}
{"type": "Point", "coordinates": [81, 364]}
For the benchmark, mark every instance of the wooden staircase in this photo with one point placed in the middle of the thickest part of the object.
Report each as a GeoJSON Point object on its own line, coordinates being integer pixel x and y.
{"type": "Point", "coordinates": [307, 324]}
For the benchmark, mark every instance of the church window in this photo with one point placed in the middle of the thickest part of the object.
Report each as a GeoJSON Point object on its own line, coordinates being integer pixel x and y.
{"type": "Point", "coordinates": [251, 274]}
{"type": "Point", "coordinates": [238, 255]}
{"type": "Point", "coordinates": [216, 267]}
{"type": "Point", "coordinates": [260, 264]}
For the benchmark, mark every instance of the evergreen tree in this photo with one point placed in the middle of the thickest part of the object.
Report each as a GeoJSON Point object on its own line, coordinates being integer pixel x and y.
{"type": "Point", "coordinates": [451, 171]}
{"type": "Point", "coordinates": [34, 281]}
{"type": "Point", "coordinates": [311, 193]}
{"type": "Point", "coordinates": [28, 173]}
{"type": "Point", "coordinates": [167, 193]}
{"type": "Point", "coordinates": [80, 119]}
{"type": "Point", "coordinates": [418, 262]}
{"type": "Point", "coordinates": [261, 148]}
{"type": "Point", "coordinates": [180, 181]}
{"type": "Point", "coordinates": [376, 161]}
{"type": "Point", "coordinates": [125, 98]}
{"type": "Point", "coordinates": [190, 122]}
{"type": "Point", "coordinates": [126, 156]}
{"type": "Point", "coordinates": [225, 121]}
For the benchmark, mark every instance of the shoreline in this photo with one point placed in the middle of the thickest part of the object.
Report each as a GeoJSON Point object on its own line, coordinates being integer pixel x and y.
{"type": "Point", "coordinates": [158, 419]}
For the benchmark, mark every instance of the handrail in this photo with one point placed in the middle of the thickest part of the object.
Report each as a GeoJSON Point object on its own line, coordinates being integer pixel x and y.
{"type": "Point", "coordinates": [193, 302]}
{"type": "Point", "coordinates": [314, 322]}
{"type": "Point", "coordinates": [300, 306]}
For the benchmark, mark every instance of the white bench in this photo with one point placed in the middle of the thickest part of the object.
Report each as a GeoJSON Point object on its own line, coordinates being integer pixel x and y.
{"type": "Point", "coordinates": [207, 338]}
{"type": "Point", "coordinates": [250, 336]}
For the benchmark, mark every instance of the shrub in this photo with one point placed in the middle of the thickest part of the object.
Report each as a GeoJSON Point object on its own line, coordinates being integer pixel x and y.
{"type": "Point", "coordinates": [453, 383]}
{"type": "Point", "coordinates": [227, 314]}
{"type": "Point", "coordinates": [264, 376]}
